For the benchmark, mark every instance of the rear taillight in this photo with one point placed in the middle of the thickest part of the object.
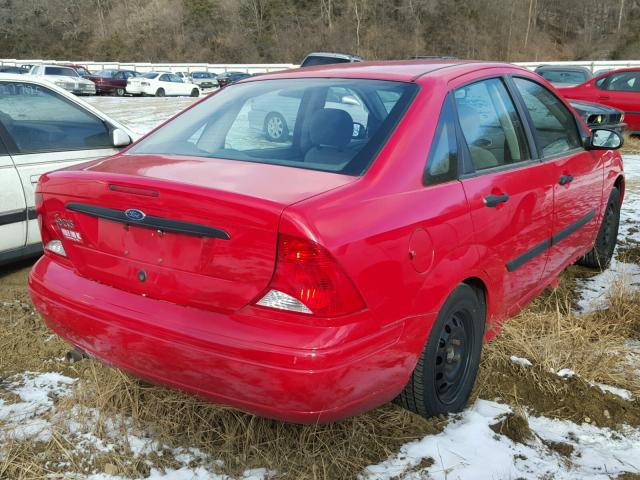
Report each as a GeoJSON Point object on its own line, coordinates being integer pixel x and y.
{"type": "Point", "coordinates": [309, 280]}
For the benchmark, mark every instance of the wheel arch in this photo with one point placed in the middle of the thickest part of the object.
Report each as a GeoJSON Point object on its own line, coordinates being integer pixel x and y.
{"type": "Point", "coordinates": [620, 185]}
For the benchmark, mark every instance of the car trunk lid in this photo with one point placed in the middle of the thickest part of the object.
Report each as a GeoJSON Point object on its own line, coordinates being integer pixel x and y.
{"type": "Point", "coordinates": [208, 240]}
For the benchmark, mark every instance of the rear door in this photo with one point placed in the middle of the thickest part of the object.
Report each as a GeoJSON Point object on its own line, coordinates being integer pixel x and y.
{"type": "Point", "coordinates": [578, 173]}
{"type": "Point", "coordinates": [45, 132]}
{"type": "Point", "coordinates": [13, 209]}
{"type": "Point", "coordinates": [510, 193]}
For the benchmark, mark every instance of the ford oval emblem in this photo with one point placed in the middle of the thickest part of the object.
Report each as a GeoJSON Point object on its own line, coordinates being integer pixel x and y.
{"type": "Point", "coordinates": [134, 214]}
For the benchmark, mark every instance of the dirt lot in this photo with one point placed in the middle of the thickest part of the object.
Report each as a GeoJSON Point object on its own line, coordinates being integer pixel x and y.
{"type": "Point", "coordinates": [557, 397]}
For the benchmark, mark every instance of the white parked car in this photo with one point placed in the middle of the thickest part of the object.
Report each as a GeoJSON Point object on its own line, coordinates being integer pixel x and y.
{"type": "Point", "coordinates": [42, 128]}
{"type": "Point", "coordinates": [64, 77]}
{"type": "Point", "coordinates": [161, 84]}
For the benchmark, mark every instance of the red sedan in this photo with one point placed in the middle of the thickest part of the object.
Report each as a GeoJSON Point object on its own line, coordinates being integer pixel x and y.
{"type": "Point", "coordinates": [112, 81]}
{"type": "Point", "coordinates": [619, 89]}
{"type": "Point", "coordinates": [343, 266]}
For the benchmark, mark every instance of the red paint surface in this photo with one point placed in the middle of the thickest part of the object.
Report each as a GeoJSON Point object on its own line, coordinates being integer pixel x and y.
{"type": "Point", "coordinates": [194, 324]}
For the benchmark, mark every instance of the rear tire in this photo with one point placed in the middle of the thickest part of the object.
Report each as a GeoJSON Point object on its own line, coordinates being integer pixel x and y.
{"type": "Point", "coordinates": [443, 378]}
{"type": "Point", "coordinates": [195, 92]}
{"type": "Point", "coordinates": [600, 255]}
{"type": "Point", "coordinates": [119, 92]}
{"type": "Point", "coordinates": [160, 92]}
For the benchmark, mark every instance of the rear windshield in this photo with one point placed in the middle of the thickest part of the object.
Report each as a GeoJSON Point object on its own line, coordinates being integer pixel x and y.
{"type": "Point", "coordinates": [333, 125]}
{"type": "Point", "coordinates": [67, 72]}
{"type": "Point", "coordinates": [563, 76]}
{"type": "Point", "coordinates": [150, 75]}
{"type": "Point", "coordinates": [107, 73]}
{"type": "Point", "coordinates": [201, 75]}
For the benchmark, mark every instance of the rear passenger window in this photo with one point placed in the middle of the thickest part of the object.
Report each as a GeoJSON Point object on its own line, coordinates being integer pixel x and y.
{"type": "Point", "coordinates": [490, 124]}
{"type": "Point", "coordinates": [443, 157]}
{"type": "Point", "coordinates": [40, 120]}
{"type": "Point", "coordinates": [555, 126]}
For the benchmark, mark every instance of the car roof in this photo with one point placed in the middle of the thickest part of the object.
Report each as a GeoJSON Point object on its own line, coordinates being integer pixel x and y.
{"type": "Point", "coordinates": [399, 70]}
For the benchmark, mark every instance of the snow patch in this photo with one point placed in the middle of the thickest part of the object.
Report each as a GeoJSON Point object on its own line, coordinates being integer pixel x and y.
{"type": "Point", "coordinates": [468, 449]}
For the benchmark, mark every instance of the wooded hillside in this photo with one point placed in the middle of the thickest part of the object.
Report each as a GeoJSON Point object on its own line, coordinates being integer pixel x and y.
{"type": "Point", "coordinates": [219, 31]}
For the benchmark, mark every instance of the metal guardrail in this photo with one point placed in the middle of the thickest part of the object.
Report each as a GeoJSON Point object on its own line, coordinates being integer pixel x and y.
{"type": "Point", "coordinates": [269, 67]}
{"type": "Point", "coordinates": [147, 67]}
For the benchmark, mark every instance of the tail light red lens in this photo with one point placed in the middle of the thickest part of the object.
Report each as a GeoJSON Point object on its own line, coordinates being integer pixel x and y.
{"type": "Point", "coordinates": [308, 274]}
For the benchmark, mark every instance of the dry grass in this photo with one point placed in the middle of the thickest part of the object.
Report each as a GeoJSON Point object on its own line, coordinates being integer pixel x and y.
{"type": "Point", "coordinates": [108, 401]}
{"type": "Point", "coordinates": [631, 144]}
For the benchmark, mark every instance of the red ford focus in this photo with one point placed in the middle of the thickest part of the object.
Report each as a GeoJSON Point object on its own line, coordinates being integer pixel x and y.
{"type": "Point", "coordinates": [363, 256]}
{"type": "Point", "coordinates": [619, 89]}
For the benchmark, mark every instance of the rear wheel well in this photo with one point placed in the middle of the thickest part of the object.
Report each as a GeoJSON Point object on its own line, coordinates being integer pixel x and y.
{"type": "Point", "coordinates": [619, 184]}
{"type": "Point", "coordinates": [480, 288]}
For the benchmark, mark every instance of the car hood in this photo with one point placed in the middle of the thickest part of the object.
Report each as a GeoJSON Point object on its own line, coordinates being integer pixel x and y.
{"type": "Point", "coordinates": [592, 108]}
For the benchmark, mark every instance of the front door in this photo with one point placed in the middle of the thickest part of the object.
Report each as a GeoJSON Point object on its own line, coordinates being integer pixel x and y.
{"type": "Point", "coordinates": [13, 209]}
{"type": "Point", "coordinates": [510, 194]}
{"type": "Point", "coordinates": [578, 174]}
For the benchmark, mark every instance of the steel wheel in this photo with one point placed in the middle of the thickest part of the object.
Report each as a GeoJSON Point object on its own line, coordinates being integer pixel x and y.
{"type": "Point", "coordinates": [452, 357]}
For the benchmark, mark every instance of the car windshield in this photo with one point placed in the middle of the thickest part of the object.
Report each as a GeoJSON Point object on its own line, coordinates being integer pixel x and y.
{"type": "Point", "coordinates": [150, 75]}
{"type": "Point", "coordinates": [333, 125]}
{"type": "Point", "coordinates": [64, 71]}
{"type": "Point", "coordinates": [563, 76]}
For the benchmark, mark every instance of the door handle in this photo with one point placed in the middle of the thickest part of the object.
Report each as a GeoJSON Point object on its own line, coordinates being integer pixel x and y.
{"type": "Point", "coordinates": [565, 179]}
{"type": "Point", "coordinates": [493, 200]}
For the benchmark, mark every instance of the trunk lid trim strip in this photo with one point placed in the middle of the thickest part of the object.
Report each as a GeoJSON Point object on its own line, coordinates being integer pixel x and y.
{"type": "Point", "coordinates": [149, 221]}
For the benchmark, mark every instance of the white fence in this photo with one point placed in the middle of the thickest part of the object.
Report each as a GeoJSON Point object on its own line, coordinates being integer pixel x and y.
{"type": "Point", "coordinates": [147, 67]}
{"type": "Point", "coordinates": [270, 67]}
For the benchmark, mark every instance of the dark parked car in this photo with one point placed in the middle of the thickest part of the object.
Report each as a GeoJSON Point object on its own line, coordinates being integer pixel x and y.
{"type": "Point", "coordinates": [327, 58]}
{"type": "Point", "coordinates": [230, 77]}
{"type": "Point", "coordinates": [82, 70]}
{"type": "Point", "coordinates": [112, 81]}
{"type": "Point", "coordinates": [564, 76]}
{"type": "Point", "coordinates": [597, 115]}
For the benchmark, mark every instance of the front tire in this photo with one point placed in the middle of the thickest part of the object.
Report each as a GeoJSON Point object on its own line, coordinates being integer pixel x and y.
{"type": "Point", "coordinates": [160, 92]}
{"type": "Point", "coordinates": [195, 92]}
{"type": "Point", "coordinates": [600, 255]}
{"type": "Point", "coordinates": [443, 378]}
{"type": "Point", "coordinates": [275, 127]}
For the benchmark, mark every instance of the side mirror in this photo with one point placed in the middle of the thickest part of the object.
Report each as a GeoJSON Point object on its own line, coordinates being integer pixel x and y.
{"type": "Point", "coordinates": [120, 138]}
{"type": "Point", "coordinates": [602, 139]}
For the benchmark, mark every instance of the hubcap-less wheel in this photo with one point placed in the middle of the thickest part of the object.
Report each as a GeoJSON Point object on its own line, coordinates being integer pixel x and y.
{"type": "Point", "coordinates": [443, 377]}
{"type": "Point", "coordinates": [600, 255]}
{"type": "Point", "coordinates": [195, 92]}
{"type": "Point", "coordinates": [275, 127]}
{"type": "Point", "coordinates": [452, 357]}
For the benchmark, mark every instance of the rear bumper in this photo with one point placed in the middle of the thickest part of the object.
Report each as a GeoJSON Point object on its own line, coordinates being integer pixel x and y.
{"type": "Point", "coordinates": [271, 368]}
